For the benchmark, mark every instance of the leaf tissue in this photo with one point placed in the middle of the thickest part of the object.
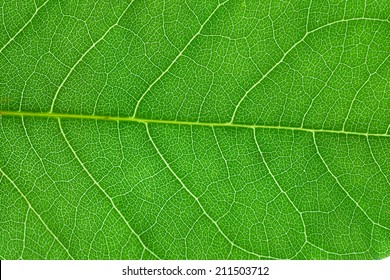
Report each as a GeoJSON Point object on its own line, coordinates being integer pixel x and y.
{"type": "Point", "coordinates": [194, 129]}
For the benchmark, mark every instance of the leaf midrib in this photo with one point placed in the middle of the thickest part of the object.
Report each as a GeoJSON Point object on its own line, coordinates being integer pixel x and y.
{"type": "Point", "coordinates": [178, 122]}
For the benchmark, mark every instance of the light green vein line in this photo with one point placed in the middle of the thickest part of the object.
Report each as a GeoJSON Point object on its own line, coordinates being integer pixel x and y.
{"type": "Point", "coordinates": [198, 202]}
{"type": "Point", "coordinates": [307, 33]}
{"type": "Point", "coordinates": [335, 253]}
{"type": "Point", "coordinates": [85, 53]}
{"type": "Point", "coordinates": [102, 190]}
{"type": "Point", "coordinates": [376, 162]}
{"type": "Point", "coordinates": [36, 213]}
{"type": "Point", "coordinates": [341, 186]}
{"type": "Point", "coordinates": [172, 122]}
{"type": "Point", "coordinates": [361, 87]}
{"type": "Point", "coordinates": [24, 26]}
{"type": "Point", "coordinates": [25, 233]}
{"type": "Point", "coordinates": [282, 191]}
{"type": "Point", "coordinates": [176, 58]}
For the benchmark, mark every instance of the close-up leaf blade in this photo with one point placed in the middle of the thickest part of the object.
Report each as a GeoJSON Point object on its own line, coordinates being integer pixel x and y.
{"type": "Point", "coordinates": [194, 130]}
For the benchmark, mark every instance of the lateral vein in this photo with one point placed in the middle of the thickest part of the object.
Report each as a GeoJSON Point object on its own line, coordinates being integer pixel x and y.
{"type": "Point", "coordinates": [103, 191]}
{"type": "Point", "coordinates": [197, 200]}
{"type": "Point", "coordinates": [36, 213]}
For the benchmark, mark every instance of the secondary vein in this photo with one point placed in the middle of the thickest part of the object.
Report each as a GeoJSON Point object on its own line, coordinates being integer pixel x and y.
{"type": "Point", "coordinates": [36, 213]}
{"type": "Point", "coordinates": [103, 191]}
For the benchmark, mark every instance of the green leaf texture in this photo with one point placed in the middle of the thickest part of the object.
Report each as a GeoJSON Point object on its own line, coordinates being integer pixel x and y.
{"type": "Point", "coordinates": [194, 129]}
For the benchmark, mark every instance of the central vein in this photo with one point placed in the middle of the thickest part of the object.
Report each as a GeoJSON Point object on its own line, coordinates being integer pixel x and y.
{"type": "Point", "coordinates": [178, 122]}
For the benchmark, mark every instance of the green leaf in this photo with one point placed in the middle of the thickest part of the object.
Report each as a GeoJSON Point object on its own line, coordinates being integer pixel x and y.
{"type": "Point", "coordinates": [194, 129]}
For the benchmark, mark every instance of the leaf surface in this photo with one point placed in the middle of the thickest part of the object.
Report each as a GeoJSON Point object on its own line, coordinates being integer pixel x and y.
{"type": "Point", "coordinates": [194, 129]}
